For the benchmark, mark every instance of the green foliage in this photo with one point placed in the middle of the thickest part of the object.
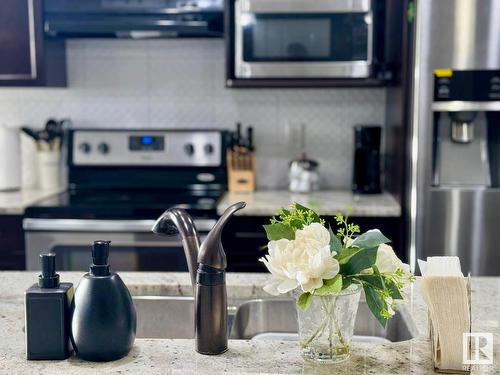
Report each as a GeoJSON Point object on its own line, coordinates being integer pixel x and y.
{"type": "Point", "coordinates": [372, 238]}
{"type": "Point", "coordinates": [393, 289]}
{"type": "Point", "coordinates": [305, 300]}
{"type": "Point", "coordinates": [346, 230]}
{"type": "Point", "coordinates": [335, 244]}
{"type": "Point", "coordinates": [330, 287]}
{"type": "Point", "coordinates": [278, 231]}
{"type": "Point", "coordinates": [346, 254]}
{"type": "Point", "coordinates": [363, 259]}
{"type": "Point", "coordinates": [376, 304]}
{"type": "Point", "coordinates": [375, 280]}
{"type": "Point", "coordinates": [289, 221]}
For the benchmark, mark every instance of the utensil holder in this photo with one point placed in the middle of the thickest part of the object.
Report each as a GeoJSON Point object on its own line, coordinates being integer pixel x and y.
{"type": "Point", "coordinates": [48, 169]}
{"type": "Point", "coordinates": [241, 171]}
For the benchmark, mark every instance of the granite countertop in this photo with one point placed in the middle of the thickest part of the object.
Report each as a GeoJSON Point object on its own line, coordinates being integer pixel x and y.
{"type": "Point", "coordinates": [14, 202]}
{"type": "Point", "coordinates": [162, 356]}
{"type": "Point", "coordinates": [326, 202]}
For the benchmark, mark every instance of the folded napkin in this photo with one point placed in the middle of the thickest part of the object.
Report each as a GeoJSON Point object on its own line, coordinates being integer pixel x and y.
{"type": "Point", "coordinates": [447, 294]}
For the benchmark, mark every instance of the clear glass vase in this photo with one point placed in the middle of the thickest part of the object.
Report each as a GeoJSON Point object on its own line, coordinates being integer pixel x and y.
{"type": "Point", "coordinates": [326, 327]}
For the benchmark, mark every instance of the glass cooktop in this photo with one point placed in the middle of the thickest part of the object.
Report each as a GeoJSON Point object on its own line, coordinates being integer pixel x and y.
{"type": "Point", "coordinates": [124, 204]}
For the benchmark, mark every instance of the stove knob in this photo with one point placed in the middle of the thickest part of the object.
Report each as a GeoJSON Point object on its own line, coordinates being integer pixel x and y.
{"type": "Point", "coordinates": [84, 147]}
{"type": "Point", "coordinates": [189, 149]}
{"type": "Point", "coordinates": [103, 148]}
{"type": "Point", "coordinates": [209, 149]}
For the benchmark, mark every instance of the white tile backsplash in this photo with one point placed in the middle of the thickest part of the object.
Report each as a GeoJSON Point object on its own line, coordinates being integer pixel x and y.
{"type": "Point", "coordinates": [176, 83]}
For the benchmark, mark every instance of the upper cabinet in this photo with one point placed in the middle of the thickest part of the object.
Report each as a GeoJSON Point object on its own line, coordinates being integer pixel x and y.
{"type": "Point", "coordinates": [27, 57]}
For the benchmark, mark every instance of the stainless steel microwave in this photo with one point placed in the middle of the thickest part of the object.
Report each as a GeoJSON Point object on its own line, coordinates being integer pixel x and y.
{"type": "Point", "coordinates": [303, 38]}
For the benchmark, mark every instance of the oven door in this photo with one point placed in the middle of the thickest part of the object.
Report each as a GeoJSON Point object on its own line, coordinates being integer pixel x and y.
{"type": "Point", "coordinates": [133, 246]}
{"type": "Point", "coordinates": [303, 39]}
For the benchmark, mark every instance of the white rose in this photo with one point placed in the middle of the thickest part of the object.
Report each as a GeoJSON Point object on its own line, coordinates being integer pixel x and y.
{"type": "Point", "coordinates": [314, 235]}
{"type": "Point", "coordinates": [388, 262]}
{"type": "Point", "coordinates": [305, 261]}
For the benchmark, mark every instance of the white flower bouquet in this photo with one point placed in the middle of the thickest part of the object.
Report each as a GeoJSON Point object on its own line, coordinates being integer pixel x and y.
{"type": "Point", "coordinates": [306, 255]}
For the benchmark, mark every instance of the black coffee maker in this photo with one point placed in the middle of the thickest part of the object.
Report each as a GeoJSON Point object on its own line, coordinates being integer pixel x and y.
{"type": "Point", "coordinates": [366, 171]}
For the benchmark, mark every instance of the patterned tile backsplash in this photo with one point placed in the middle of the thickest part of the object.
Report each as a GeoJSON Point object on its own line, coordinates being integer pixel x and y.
{"type": "Point", "coordinates": [179, 83]}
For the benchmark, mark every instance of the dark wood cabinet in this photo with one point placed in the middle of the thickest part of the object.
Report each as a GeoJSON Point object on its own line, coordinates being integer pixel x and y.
{"type": "Point", "coordinates": [27, 58]}
{"type": "Point", "coordinates": [11, 243]}
{"type": "Point", "coordinates": [245, 241]}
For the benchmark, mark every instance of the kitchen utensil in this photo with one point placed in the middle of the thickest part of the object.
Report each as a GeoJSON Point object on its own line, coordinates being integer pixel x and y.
{"type": "Point", "coordinates": [250, 138]}
{"type": "Point", "coordinates": [303, 175]}
{"type": "Point", "coordinates": [10, 158]}
{"type": "Point", "coordinates": [50, 137]}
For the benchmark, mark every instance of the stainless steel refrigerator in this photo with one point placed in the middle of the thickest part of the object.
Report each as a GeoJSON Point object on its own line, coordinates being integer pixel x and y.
{"type": "Point", "coordinates": [454, 197]}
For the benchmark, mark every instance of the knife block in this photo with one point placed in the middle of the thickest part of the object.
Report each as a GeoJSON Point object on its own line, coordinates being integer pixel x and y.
{"type": "Point", "coordinates": [241, 171]}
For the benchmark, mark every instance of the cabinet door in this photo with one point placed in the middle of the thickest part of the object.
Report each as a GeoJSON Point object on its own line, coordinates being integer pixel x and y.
{"type": "Point", "coordinates": [17, 40]}
{"type": "Point", "coordinates": [11, 242]}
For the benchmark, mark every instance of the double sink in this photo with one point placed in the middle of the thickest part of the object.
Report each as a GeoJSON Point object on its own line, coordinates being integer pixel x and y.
{"type": "Point", "coordinates": [173, 318]}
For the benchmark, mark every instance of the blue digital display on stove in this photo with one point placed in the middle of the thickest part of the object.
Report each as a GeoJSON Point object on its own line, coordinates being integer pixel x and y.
{"type": "Point", "coordinates": [146, 143]}
{"type": "Point", "coordinates": [147, 140]}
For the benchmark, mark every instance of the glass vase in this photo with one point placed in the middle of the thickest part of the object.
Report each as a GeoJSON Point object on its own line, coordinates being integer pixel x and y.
{"type": "Point", "coordinates": [326, 327]}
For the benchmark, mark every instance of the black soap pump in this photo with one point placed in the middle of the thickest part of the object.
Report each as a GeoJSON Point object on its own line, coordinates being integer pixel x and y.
{"type": "Point", "coordinates": [47, 306]}
{"type": "Point", "coordinates": [103, 315]}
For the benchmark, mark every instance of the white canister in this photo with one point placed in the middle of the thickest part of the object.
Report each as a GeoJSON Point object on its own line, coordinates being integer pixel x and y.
{"type": "Point", "coordinates": [48, 169]}
{"type": "Point", "coordinates": [10, 159]}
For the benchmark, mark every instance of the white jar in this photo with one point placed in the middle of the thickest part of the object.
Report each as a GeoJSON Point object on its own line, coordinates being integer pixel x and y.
{"type": "Point", "coordinates": [10, 159]}
{"type": "Point", "coordinates": [48, 169]}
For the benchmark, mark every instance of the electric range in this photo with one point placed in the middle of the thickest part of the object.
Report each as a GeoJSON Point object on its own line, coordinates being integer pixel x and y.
{"type": "Point", "coordinates": [119, 182]}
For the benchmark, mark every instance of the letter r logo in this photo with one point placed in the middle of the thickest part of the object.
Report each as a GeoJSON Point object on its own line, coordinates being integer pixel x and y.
{"type": "Point", "coordinates": [481, 348]}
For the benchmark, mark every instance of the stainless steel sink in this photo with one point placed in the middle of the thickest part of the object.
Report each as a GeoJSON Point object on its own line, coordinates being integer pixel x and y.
{"type": "Point", "coordinates": [276, 319]}
{"type": "Point", "coordinates": [173, 317]}
{"type": "Point", "coordinates": [164, 317]}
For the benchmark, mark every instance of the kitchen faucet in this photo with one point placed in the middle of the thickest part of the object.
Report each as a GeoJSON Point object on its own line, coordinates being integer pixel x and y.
{"type": "Point", "coordinates": [207, 264]}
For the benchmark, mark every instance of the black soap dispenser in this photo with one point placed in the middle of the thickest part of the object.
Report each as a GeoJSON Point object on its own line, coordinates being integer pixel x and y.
{"type": "Point", "coordinates": [47, 306]}
{"type": "Point", "coordinates": [103, 315]}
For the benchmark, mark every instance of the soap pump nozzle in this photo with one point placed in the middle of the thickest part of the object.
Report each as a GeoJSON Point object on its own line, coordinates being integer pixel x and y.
{"type": "Point", "coordinates": [100, 254]}
{"type": "Point", "coordinates": [49, 278]}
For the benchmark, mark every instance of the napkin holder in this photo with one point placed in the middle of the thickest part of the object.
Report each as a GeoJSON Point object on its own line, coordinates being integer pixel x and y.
{"type": "Point", "coordinates": [437, 350]}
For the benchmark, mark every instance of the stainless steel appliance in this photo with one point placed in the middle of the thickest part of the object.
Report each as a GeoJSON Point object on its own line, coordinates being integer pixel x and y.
{"type": "Point", "coordinates": [134, 18]}
{"type": "Point", "coordinates": [305, 39]}
{"type": "Point", "coordinates": [455, 186]}
{"type": "Point", "coordinates": [303, 173]}
{"type": "Point", "coordinates": [119, 182]}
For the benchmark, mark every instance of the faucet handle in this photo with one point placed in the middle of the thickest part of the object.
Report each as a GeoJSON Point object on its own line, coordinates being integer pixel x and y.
{"type": "Point", "coordinates": [211, 251]}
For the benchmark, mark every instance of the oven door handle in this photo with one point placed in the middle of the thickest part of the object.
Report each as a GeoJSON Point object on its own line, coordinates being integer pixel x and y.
{"type": "Point", "coordinates": [88, 225]}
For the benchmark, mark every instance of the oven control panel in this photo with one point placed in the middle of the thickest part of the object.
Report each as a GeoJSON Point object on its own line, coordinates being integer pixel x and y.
{"type": "Point", "coordinates": [147, 148]}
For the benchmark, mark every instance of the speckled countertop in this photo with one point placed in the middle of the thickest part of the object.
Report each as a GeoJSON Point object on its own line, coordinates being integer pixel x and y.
{"type": "Point", "coordinates": [14, 202]}
{"type": "Point", "coordinates": [160, 356]}
{"type": "Point", "coordinates": [326, 202]}
{"type": "Point", "coordinates": [259, 203]}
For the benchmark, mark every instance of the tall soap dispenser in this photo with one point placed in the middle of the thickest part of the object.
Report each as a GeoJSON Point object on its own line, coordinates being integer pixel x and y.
{"type": "Point", "coordinates": [47, 306]}
{"type": "Point", "coordinates": [103, 315]}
